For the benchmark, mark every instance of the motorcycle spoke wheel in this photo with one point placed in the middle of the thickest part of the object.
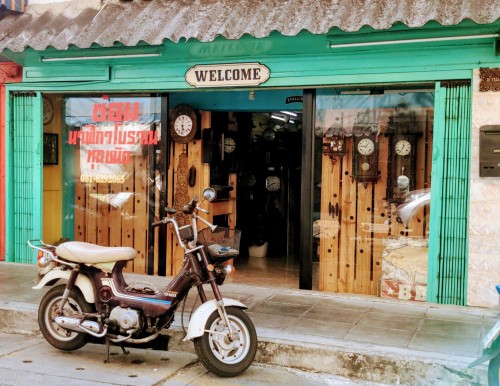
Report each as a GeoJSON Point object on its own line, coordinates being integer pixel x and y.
{"type": "Point", "coordinates": [224, 355]}
{"type": "Point", "coordinates": [59, 337]}
{"type": "Point", "coordinates": [225, 349]}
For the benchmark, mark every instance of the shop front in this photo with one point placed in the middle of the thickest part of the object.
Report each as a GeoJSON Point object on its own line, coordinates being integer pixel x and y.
{"type": "Point", "coordinates": [324, 148]}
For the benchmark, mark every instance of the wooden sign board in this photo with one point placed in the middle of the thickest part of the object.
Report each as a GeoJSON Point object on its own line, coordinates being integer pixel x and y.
{"type": "Point", "coordinates": [489, 79]}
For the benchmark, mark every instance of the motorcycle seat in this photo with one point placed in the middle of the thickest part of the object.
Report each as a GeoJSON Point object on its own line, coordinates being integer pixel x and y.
{"type": "Point", "coordinates": [88, 253]}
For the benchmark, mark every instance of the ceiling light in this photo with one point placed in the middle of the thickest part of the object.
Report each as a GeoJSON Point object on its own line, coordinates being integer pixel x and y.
{"type": "Point", "coordinates": [407, 41]}
{"type": "Point", "coordinates": [289, 113]}
{"type": "Point", "coordinates": [278, 117]}
{"type": "Point", "coordinates": [97, 57]}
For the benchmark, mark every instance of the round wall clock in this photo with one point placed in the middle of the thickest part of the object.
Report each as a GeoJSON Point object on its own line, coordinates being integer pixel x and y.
{"type": "Point", "coordinates": [183, 123]}
{"type": "Point", "coordinates": [403, 147]}
{"type": "Point", "coordinates": [48, 111]}
{"type": "Point", "coordinates": [366, 146]}
{"type": "Point", "coordinates": [229, 144]}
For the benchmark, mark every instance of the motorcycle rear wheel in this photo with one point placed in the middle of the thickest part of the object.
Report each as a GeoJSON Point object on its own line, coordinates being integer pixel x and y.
{"type": "Point", "coordinates": [56, 335]}
{"type": "Point", "coordinates": [220, 355]}
{"type": "Point", "coordinates": [493, 371]}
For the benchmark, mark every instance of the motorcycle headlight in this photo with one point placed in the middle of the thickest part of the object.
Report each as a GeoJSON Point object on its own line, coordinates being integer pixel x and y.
{"type": "Point", "coordinates": [43, 260]}
{"type": "Point", "coordinates": [222, 272]}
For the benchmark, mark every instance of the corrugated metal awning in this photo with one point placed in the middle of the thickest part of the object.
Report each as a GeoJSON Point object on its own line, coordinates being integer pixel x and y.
{"type": "Point", "coordinates": [83, 23]}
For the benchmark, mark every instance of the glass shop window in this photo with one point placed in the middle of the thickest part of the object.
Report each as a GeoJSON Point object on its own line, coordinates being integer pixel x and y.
{"type": "Point", "coordinates": [373, 156]}
{"type": "Point", "coordinates": [110, 149]}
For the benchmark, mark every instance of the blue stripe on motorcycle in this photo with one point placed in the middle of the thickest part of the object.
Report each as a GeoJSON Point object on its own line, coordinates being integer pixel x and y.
{"type": "Point", "coordinates": [155, 300]}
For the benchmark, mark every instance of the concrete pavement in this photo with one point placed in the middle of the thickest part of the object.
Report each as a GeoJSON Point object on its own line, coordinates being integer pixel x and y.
{"type": "Point", "coordinates": [369, 338]}
{"type": "Point", "coordinates": [30, 361]}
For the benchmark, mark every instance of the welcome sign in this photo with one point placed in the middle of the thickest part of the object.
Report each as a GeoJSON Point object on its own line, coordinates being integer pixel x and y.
{"type": "Point", "coordinates": [227, 75]}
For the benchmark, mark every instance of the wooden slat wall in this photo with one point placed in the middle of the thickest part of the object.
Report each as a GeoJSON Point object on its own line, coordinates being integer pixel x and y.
{"type": "Point", "coordinates": [175, 253]}
{"type": "Point", "coordinates": [351, 258]}
{"type": "Point", "coordinates": [99, 222]}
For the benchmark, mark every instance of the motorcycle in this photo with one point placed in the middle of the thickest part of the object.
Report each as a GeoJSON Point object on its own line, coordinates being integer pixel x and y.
{"type": "Point", "coordinates": [92, 300]}
{"type": "Point", "coordinates": [491, 352]}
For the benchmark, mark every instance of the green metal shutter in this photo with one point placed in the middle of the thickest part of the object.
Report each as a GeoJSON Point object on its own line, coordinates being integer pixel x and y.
{"type": "Point", "coordinates": [448, 239]}
{"type": "Point", "coordinates": [24, 195]}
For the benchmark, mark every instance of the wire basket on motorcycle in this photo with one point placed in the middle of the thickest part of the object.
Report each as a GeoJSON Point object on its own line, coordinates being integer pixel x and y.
{"type": "Point", "coordinates": [222, 244]}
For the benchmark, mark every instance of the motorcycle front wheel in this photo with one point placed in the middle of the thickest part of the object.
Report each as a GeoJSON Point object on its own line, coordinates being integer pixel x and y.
{"type": "Point", "coordinates": [493, 371]}
{"type": "Point", "coordinates": [221, 355]}
{"type": "Point", "coordinates": [56, 335]}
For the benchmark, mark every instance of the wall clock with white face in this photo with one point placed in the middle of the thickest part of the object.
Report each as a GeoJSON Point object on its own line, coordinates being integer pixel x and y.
{"type": "Point", "coordinates": [183, 123]}
{"type": "Point", "coordinates": [273, 183]}
{"type": "Point", "coordinates": [365, 158]}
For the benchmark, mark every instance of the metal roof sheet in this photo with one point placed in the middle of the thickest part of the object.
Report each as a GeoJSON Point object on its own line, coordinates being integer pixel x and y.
{"type": "Point", "coordinates": [84, 22]}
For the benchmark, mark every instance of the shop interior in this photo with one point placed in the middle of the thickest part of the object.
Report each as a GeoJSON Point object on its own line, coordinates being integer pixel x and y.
{"type": "Point", "coordinates": [263, 150]}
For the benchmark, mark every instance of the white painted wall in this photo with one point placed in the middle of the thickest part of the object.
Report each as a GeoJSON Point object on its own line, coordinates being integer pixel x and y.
{"type": "Point", "coordinates": [484, 226]}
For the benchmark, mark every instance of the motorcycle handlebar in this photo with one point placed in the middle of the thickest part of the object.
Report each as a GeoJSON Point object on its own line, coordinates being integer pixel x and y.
{"type": "Point", "coordinates": [189, 208]}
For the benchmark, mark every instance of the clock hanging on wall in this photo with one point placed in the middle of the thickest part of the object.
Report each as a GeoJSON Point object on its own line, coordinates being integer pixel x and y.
{"type": "Point", "coordinates": [402, 158]}
{"type": "Point", "coordinates": [48, 111]}
{"type": "Point", "coordinates": [365, 158]}
{"type": "Point", "coordinates": [334, 146]}
{"type": "Point", "coordinates": [183, 123]}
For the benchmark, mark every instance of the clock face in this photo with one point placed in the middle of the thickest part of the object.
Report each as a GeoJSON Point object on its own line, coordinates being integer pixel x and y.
{"type": "Point", "coordinates": [337, 145]}
{"type": "Point", "coordinates": [229, 145]}
{"type": "Point", "coordinates": [183, 125]}
{"type": "Point", "coordinates": [366, 146]}
{"type": "Point", "coordinates": [48, 111]}
{"type": "Point", "coordinates": [403, 147]}
{"type": "Point", "coordinates": [273, 183]}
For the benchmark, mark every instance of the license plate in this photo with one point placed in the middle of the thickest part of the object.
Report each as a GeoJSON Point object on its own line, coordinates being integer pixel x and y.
{"type": "Point", "coordinates": [492, 335]}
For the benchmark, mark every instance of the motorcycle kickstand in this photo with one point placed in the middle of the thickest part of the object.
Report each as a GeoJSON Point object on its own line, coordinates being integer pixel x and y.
{"type": "Point", "coordinates": [108, 346]}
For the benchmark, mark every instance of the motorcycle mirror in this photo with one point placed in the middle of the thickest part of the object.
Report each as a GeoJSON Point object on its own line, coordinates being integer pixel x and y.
{"type": "Point", "coordinates": [209, 194]}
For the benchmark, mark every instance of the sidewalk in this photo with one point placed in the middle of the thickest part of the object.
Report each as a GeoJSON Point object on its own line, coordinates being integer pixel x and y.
{"type": "Point", "coordinates": [374, 339]}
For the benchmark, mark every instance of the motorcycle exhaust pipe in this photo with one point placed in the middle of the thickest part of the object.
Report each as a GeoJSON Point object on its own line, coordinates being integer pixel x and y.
{"type": "Point", "coordinates": [75, 324]}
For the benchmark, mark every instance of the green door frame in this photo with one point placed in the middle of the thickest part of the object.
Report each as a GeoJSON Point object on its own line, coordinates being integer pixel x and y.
{"type": "Point", "coordinates": [24, 171]}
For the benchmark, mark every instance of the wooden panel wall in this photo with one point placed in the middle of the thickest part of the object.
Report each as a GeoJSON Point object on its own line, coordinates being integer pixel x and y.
{"type": "Point", "coordinates": [351, 241]}
{"type": "Point", "coordinates": [99, 220]}
{"type": "Point", "coordinates": [193, 151]}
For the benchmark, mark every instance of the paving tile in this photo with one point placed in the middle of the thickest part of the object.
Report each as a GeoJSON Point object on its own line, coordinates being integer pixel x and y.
{"type": "Point", "coordinates": [351, 304]}
{"type": "Point", "coordinates": [293, 310]}
{"type": "Point", "coordinates": [391, 321]}
{"type": "Point", "coordinates": [457, 345]}
{"type": "Point", "coordinates": [451, 328]}
{"type": "Point", "coordinates": [320, 328]}
{"type": "Point", "coordinates": [383, 336]}
{"type": "Point", "coordinates": [399, 309]}
{"type": "Point", "coordinates": [270, 321]}
{"type": "Point", "coordinates": [333, 315]}
{"type": "Point", "coordinates": [294, 299]}
{"type": "Point", "coordinates": [452, 314]}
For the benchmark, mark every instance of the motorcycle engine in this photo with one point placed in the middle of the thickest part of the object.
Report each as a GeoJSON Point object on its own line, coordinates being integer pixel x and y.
{"type": "Point", "coordinates": [126, 318]}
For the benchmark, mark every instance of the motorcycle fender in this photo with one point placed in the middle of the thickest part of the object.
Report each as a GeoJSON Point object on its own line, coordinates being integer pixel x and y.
{"type": "Point", "coordinates": [82, 282]}
{"type": "Point", "coordinates": [199, 319]}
